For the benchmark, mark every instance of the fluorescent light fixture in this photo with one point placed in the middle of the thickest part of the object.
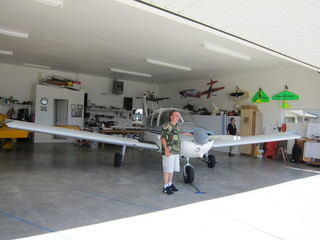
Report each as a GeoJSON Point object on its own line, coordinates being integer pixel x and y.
{"type": "Point", "coordinates": [156, 62]}
{"type": "Point", "coordinates": [14, 34]}
{"type": "Point", "coordinates": [8, 53]}
{"type": "Point", "coordinates": [35, 65]}
{"type": "Point", "coordinates": [226, 51]}
{"type": "Point", "coordinates": [130, 72]}
{"type": "Point", "coordinates": [54, 3]}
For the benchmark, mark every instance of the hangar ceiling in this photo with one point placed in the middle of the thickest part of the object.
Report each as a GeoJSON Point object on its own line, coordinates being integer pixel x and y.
{"type": "Point", "coordinates": [100, 37]}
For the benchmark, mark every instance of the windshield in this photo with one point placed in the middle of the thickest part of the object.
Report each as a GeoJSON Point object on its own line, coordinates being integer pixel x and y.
{"type": "Point", "coordinates": [184, 116]}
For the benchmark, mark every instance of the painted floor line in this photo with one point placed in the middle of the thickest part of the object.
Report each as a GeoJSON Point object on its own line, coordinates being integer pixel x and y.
{"type": "Point", "coordinates": [305, 170]}
{"type": "Point", "coordinates": [33, 224]}
{"type": "Point", "coordinates": [112, 199]}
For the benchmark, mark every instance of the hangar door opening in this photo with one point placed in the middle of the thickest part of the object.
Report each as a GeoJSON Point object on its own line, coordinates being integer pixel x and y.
{"type": "Point", "coordinates": [60, 114]}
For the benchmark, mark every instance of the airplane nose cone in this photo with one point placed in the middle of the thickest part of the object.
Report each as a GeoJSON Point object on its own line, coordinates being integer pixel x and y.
{"type": "Point", "coordinates": [200, 136]}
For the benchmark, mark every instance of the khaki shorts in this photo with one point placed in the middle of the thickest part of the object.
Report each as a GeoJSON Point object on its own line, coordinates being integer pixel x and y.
{"type": "Point", "coordinates": [171, 164]}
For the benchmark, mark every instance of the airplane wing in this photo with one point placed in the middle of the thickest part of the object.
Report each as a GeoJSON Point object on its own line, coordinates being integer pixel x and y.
{"type": "Point", "coordinates": [229, 140]}
{"type": "Point", "coordinates": [98, 137]}
{"type": "Point", "coordinates": [217, 89]}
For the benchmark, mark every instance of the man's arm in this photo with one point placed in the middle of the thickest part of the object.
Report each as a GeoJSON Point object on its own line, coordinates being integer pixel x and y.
{"type": "Point", "coordinates": [185, 133]}
{"type": "Point", "coordinates": [165, 147]}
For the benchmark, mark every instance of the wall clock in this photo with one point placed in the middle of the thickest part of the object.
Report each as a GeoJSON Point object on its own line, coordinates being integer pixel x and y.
{"type": "Point", "coordinates": [44, 101]}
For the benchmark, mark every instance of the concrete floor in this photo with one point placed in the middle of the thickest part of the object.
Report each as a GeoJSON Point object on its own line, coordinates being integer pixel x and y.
{"type": "Point", "coordinates": [50, 188]}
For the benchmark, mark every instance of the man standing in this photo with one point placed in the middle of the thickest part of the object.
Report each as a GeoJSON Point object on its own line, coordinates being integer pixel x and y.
{"type": "Point", "coordinates": [232, 130]}
{"type": "Point", "coordinates": [170, 139]}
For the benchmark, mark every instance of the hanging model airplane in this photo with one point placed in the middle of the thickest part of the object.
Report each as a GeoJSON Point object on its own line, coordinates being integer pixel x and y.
{"type": "Point", "coordinates": [197, 94]}
{"type": "Point", "coordinates": [152, 98]}
{"type": "Point", "coordinates": [238, 95]}
{"type": "Point", "coordinates": [197, 145]}
{"type": "Point", "coordinates": [260, 97]}
{"type": "Point", "coordinates": [284, 96]}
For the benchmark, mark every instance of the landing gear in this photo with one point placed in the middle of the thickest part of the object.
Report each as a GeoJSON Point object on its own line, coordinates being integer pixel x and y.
{"type": "Point", "coordinates": [188, 172]}
{"type": "Point", "coordinates": [118, 157]}
{"type": "Point", "coordinates": [210, 160]}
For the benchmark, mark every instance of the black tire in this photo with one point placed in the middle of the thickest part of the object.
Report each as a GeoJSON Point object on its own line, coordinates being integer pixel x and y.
{"type": "Point", "coordinates": [211, 161]}
{"type": "Point", "coordinates": [188, 174]}
{"type": "Point", "coordinates": [117, 159]}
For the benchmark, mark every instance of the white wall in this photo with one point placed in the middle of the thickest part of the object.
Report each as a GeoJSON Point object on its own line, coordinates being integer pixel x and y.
{"type": "Point", "coordinates": [94, 86]}
{"type": "Point", "coordinates": [17, 81]}
{"type": "Point", "coordinates": [44, 114]}
{"type": "Point", "coordinates": [302, 81]}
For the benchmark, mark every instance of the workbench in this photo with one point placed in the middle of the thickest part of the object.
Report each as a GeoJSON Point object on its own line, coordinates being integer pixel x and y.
{"type": "Point", "coordinates": [135, 133]}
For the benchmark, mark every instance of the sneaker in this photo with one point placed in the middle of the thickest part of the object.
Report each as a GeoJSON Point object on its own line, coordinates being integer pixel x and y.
{"type": "Point", "coordinates": [167, 190]}
{"type": "Point", "coordinates": [173, 188]}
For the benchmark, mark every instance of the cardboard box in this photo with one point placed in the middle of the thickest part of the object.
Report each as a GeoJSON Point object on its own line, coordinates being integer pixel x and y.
{"type": "Point", "coordinates": [249, 107]}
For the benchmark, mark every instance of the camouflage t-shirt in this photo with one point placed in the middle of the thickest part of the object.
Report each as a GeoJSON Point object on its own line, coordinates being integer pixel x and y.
{"type": "Point", "coordinates": [172, 135]}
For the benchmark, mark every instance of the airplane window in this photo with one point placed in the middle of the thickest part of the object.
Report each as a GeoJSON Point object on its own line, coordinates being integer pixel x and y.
{"type": "Point", "coordinates": [164, 117]}
{"type": "Point", "coordinates": [155, 119]}
{"type": "Point", "coordinates": [147, 122]}
{"type": "Point", "coordinates": [186, 117]}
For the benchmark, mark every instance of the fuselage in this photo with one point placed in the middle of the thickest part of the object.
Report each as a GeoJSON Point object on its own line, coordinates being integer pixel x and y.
{"type": "Point", "coordinates": [190, 146]}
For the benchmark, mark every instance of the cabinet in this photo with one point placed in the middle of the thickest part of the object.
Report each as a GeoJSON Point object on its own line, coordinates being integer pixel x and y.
{"type": "Point", "coordinates": [250, 125]}
{"type": "Point", "coordinates": [311, 153]}
{"type": "Point", "coordinates": [107, 117]}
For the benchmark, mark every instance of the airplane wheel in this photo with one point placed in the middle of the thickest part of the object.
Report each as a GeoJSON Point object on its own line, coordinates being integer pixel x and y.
{"type": "Point", "coordinates": [211, 161]}
{"type": "Point", "coordinates": [117, 159]}
{"type": "Point", "coordinates": [188, 174]}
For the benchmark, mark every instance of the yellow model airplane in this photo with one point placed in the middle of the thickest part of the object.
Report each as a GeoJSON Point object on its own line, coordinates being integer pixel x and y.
{"type": "Point", "coordinates": [8, 136]}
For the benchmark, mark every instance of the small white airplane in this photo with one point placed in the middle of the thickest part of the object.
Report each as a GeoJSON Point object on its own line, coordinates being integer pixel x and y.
{"type": "Point", "coordinates": [196, 146]}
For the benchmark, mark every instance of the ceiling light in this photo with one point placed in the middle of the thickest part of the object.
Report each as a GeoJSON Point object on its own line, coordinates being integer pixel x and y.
{"type": "Point", "coordinates": [54, 3]}
{"type": "Point", "coordinates": [168, 65]}
{"type": "Point", "coordinates": [14, 34]}
{"type": "Point", "coordinates": [8, 53]}
{"type": "Point", "coordinates": [35, 65]}
{"type": "Point", "coordinates": [130, 72]}
{"type": "Point", "coordinates": [226, 51]}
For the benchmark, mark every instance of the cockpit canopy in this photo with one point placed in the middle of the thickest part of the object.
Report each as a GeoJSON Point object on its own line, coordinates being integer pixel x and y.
{"type": "Point", "coordinates": [158, 118]}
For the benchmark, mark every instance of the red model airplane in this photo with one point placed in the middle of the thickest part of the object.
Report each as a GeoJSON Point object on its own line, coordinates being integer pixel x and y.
{"type": "Point", "coordinates": [196, 94]}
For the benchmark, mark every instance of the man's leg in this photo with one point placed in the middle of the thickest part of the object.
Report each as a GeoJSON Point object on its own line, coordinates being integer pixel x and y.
{"type": "Point", "coordinates": [167, 174]}
{"type": "Point", "coordinates": [165, 178]}
{"type": "Point", "coordinates": [170, 177]}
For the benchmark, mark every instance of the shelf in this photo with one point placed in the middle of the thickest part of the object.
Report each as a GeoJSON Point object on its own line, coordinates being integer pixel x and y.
{"type": "Point", "coordinates": [107, 110]}
{"type": "Point", "coordinates": [15, 104]}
